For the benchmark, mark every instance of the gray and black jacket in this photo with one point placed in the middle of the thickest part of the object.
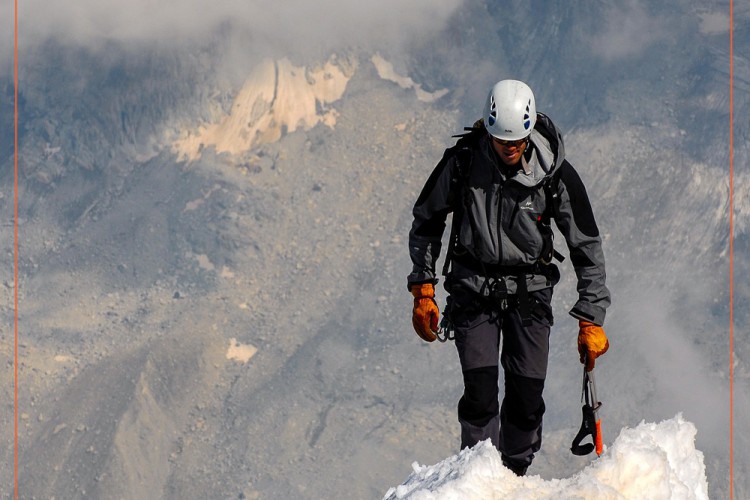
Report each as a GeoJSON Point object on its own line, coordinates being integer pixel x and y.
{"type": "Point", "coordinates": [501, 232]}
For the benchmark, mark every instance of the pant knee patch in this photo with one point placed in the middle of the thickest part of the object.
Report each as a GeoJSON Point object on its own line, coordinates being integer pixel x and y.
{"type": "Point", "coordinates": [479, 403]}
{"type": "Point", "coordinates": [523, 404]}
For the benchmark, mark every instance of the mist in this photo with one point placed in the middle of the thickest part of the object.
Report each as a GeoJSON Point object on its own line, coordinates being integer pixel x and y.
{"type": "Point", "coordinates": [639, 89]}
{"type": "Point", "coordinates": [627, 30]}
{"type": "Point", "coordinates": [262, 27]}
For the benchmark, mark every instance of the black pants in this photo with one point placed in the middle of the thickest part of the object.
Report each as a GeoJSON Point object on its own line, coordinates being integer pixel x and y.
{"type": "Point", "coordinates": [489, 336]}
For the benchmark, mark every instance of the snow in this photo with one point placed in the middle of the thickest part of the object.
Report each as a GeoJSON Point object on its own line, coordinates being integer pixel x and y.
{"type": "Point", "coordinates": [650, 461]}
{"type": "Point", "coordinates": [148, 282]}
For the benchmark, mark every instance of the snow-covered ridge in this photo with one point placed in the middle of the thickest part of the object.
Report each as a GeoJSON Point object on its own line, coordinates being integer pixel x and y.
{"type": "Point", "coordinates": [277, 97]}
{"type": "Point", "coordinates": [651, 461]}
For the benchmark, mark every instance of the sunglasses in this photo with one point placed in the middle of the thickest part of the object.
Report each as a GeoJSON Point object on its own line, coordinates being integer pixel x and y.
{"type": "Point", "coordinates": [511, 144]}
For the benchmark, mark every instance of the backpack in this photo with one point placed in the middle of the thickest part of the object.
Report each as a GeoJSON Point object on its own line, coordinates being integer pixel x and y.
{"type": "Point", "coordinates": [463, 154]}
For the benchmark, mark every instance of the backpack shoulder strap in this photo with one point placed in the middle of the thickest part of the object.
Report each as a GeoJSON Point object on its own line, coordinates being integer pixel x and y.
{"type": "Point", "coordinates": [550, 185]}
{"type": "Point", "coordinates": [552, 210]}
{"type": "Point", "coordinates": [463, 156]}
{"type": "Point", "coordinates": [463, 151]}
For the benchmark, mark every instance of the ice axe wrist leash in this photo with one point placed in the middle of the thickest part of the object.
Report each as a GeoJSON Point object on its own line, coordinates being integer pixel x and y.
{"type": "Point", "coordinates": [592, 424]}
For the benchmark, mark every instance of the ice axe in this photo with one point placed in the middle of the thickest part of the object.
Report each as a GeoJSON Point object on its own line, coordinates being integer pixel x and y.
{"type": "Point", "coordinates": [592, 424]}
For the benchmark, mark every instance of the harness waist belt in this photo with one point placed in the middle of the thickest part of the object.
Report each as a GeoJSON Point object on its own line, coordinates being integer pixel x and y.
{"type": "Point", "coordinates": [497, 270]}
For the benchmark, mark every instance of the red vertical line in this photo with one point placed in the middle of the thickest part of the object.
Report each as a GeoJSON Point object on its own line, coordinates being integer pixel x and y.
{"type": "Point", "coordinates": [15, 250]}
{"type": "Point", "coordinates": [731, 249]}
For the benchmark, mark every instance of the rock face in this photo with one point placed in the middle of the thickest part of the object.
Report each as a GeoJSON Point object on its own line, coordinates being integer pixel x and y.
{"type": "Point", "coordinates": [212, 274]}
{"type": "Point", "coordinates": [277, 98]}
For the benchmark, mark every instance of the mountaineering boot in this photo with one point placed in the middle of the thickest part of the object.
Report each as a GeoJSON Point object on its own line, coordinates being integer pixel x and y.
{"type": "Point", "coordinates": [516, 468]}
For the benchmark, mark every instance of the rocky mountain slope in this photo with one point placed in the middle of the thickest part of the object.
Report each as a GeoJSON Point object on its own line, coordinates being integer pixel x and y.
{"type": "Point", "coordinates": [231, 321]}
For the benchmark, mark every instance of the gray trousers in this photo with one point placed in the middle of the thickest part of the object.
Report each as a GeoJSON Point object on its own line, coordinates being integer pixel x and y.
{"type": "Point", "coordinates": [489, 336]}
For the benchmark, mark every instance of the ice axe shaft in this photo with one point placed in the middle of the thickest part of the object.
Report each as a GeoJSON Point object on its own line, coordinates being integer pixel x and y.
{"type": "Point", "coordinates": [592, 424]}
{"type": "Point", "coordinates": [595, 404]}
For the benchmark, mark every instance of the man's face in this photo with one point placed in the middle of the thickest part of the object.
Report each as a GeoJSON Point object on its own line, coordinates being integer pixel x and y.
{"type": "Point", "coordinates": [510, 151]}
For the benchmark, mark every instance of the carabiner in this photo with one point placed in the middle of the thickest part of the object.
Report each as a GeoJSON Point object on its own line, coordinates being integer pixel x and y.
{"type": "Point", "coordinates": [446, 331]}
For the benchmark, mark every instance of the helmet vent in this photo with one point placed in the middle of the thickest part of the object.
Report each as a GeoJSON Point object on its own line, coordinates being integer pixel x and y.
{"type": "Point", "coordinates": [526, 117]}
{"type": "Point", "coordinates": [493, 111]}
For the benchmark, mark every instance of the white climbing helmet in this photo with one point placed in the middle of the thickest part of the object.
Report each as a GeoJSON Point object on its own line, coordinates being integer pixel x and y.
{"type": "Point", "coordinates": [510, 111]}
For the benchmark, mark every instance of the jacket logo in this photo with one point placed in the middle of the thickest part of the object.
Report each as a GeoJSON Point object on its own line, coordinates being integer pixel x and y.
{"type": "Point", "coordinates": [527, 206]}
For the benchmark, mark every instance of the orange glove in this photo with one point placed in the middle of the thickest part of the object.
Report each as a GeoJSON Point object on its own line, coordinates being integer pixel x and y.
{"type": "Point", "coordinates": [426, 313]}
{"type": "Point", "coordinates": [592, 343]}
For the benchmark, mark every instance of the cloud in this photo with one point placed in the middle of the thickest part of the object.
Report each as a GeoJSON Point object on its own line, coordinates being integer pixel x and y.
{"type": "Point", "coordinates": [627, 31]}
{"type": "Point", "coordinates": [293, 25]}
